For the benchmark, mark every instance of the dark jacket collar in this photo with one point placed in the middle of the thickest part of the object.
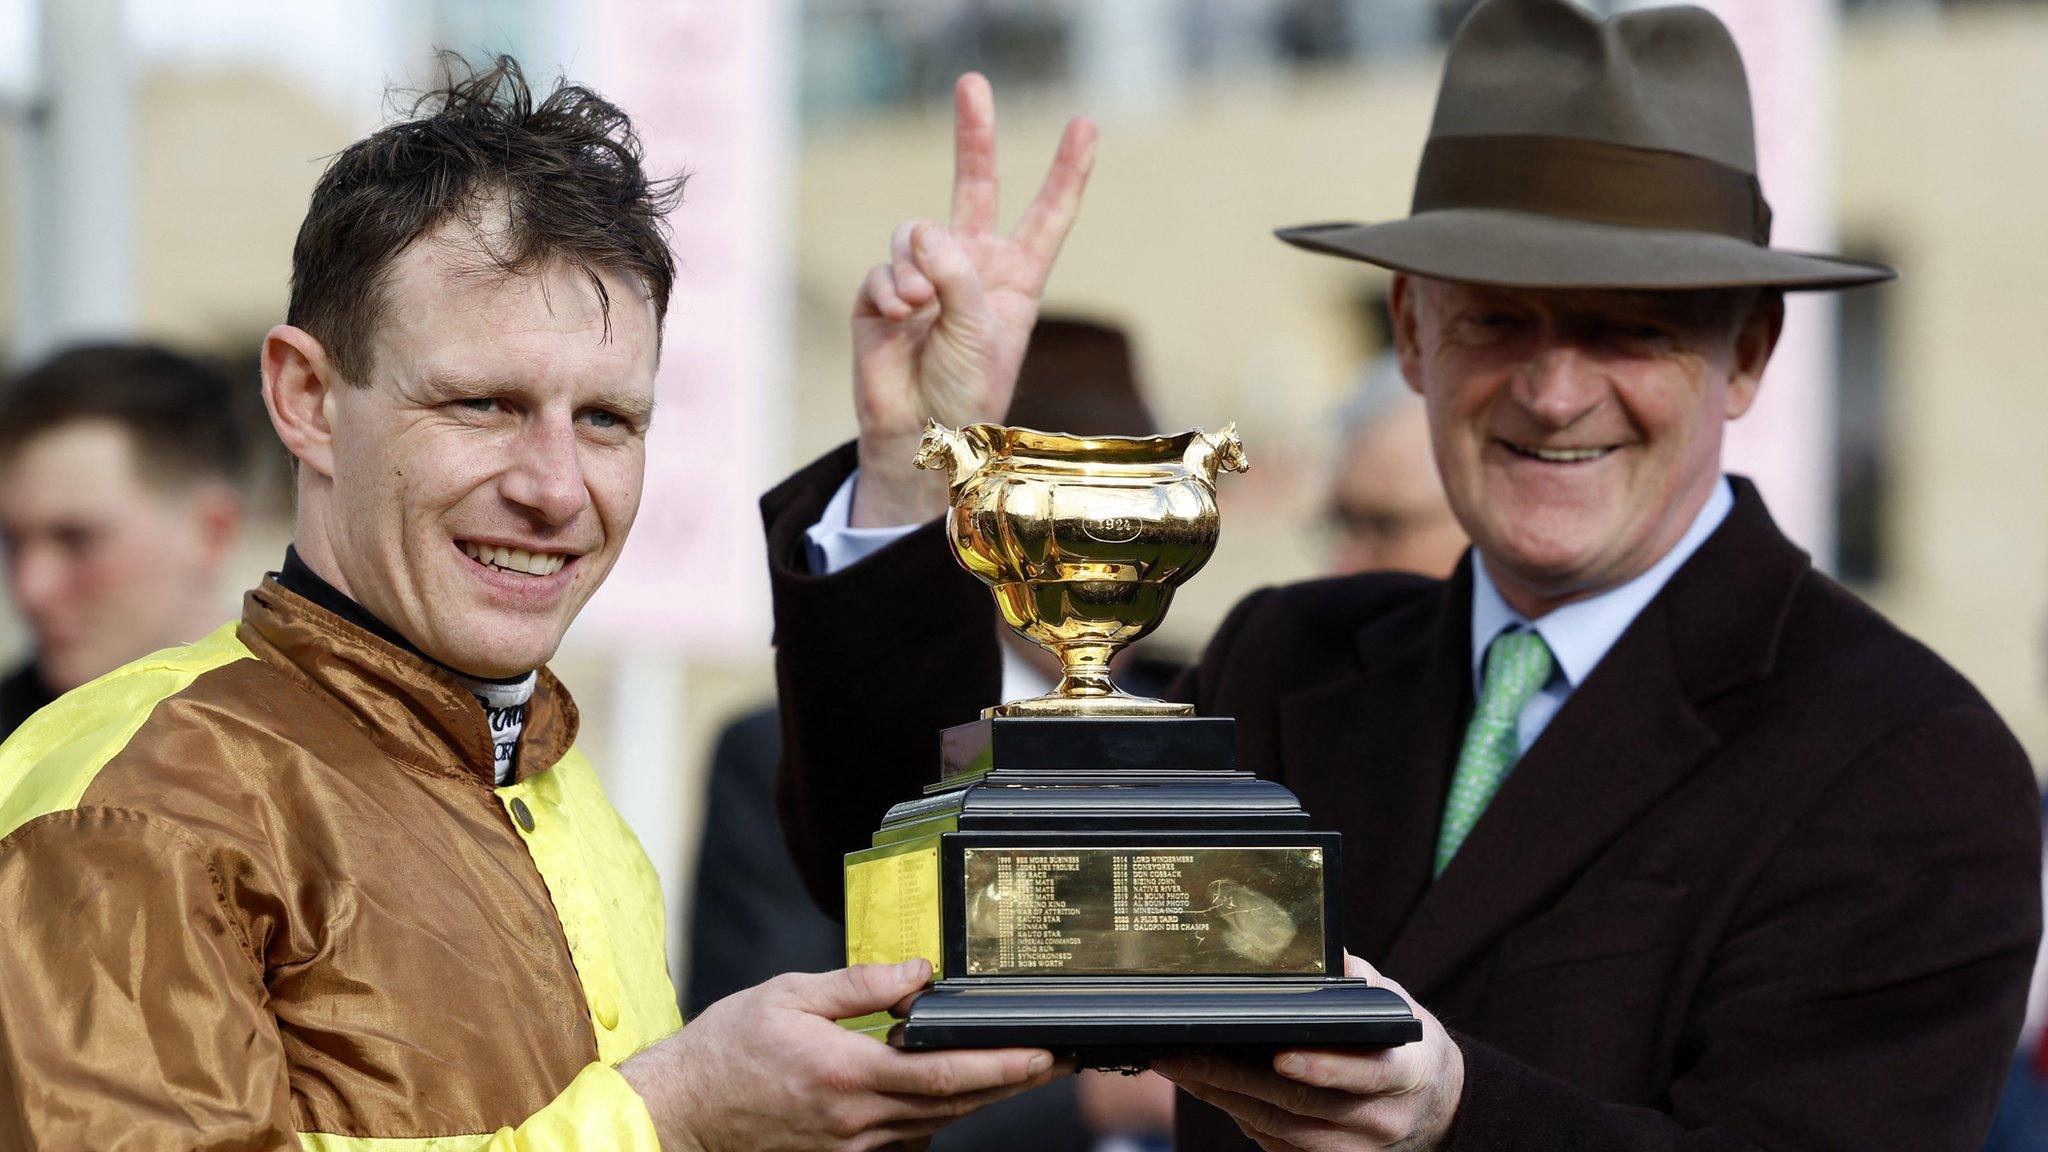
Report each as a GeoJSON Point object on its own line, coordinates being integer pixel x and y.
{"type": "Point", "coordinates": [1726, 607]}
{"type": "Point", "coordinates": [414, 709]}
{"type": "Point", "coordinates": [1624, 739]}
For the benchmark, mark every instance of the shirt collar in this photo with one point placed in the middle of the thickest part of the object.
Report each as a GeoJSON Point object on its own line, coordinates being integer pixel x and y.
{"type": "Point", "coordinates": [1580, 633]}
{"type": "Point", "coordinates": [499, 694]}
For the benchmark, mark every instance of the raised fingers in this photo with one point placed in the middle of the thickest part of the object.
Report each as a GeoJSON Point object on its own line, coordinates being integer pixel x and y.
{"type": "Point", "coordinates": [911, 283]}
{"type": "Point", "coordinates": [1045, 223]}
{"type": "Point", "coordinates": [949, 270]}
{"type": "Point", "coordinates": [854, 991]}
{"type": "Point", "coordinates": [955, 1073]}
{"type": "Point", "coordinates": [878, 296]}
{"type": "Point", "coordinates": [975, 190]}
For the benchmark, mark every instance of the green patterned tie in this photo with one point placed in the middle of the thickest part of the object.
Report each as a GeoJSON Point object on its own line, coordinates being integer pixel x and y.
{"type": "Point", "coordinates": [1517, 665]}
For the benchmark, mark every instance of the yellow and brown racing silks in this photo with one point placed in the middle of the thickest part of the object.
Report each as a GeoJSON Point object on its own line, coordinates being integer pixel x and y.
{"type": "Point", "coordinates": [259, 892]}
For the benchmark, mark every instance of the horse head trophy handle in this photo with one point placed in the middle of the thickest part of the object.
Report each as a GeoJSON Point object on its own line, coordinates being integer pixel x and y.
{"type": "Point", "coordinates": [1211, 453]}
{"type": "Point", "coordinates": [958, 453]}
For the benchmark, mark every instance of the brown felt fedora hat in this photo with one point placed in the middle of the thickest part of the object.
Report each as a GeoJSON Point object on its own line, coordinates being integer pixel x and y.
{"type": "Point", "coordinates": [1573, 152]}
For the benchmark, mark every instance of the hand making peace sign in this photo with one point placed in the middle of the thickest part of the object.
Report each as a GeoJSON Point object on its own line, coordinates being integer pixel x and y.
{"type": "Point", "coordinates": [940, 329]}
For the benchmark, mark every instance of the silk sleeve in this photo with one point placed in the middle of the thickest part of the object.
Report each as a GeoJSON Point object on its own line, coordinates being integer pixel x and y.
{"type": "Point", "coordinates": [132, 1011]}
{"type": "Point", "coordinates": [597, 1112]}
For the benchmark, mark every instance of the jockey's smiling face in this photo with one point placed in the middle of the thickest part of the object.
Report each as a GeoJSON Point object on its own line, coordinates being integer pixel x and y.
{"type": "Point", "coordinates": [479, 485]}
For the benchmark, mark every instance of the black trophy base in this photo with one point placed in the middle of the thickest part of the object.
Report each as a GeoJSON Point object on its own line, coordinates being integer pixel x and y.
{"type": "Point", "coordinates": [1114, 890]}
{"type": "Point", "coordinates": [1119, 1022]}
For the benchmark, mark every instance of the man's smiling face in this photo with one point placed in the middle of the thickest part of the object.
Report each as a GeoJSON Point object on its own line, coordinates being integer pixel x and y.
{"type": "Point", "coordinates": [486, 474]}
{"type": "Point", "coordinates": [1578, 432]}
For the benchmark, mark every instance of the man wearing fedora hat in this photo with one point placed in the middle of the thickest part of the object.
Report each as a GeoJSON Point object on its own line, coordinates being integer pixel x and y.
{"type": "Point", "coordinates": [1671, 841]}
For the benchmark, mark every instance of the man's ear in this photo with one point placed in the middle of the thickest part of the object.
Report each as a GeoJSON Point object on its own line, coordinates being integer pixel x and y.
{"type": "Point", "coordinates": [1403, 310]}
{"type": "Point", "coordinates": [299, 386]}
{"type": "Point", "coordinates": [1755, 340]}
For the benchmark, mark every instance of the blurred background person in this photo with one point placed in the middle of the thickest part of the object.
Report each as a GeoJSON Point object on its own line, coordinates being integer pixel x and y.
{"type": "Point", "coordinates": [1387, 506]}
{"type": "Point", "coordinates": [751, 916]}
{"type": "Point", "coordinates": [120, 510]}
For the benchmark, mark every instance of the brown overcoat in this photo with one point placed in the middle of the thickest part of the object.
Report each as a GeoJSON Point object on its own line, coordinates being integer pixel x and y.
{"type": "Point", "coordinates": [1770, 879]}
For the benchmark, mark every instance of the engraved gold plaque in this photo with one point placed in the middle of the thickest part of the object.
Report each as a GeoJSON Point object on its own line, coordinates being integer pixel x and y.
{"type": "Point", "coordinates": [892, 906]}
{"type": "Point", "coordinates": [1145, 910]}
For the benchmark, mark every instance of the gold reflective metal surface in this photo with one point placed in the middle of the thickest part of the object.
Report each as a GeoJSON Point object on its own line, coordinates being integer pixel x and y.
{"type": "Point", "coordinates": [1152, 911]}
{"type": "Point", "coordinates": [892, 905]}
{"type": "Point", "coordinates": [1083, 540]}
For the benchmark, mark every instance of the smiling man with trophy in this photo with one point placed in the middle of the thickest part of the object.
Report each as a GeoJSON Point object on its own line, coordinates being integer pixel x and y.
{"type": "Point", "coordinates": [1688, 847]}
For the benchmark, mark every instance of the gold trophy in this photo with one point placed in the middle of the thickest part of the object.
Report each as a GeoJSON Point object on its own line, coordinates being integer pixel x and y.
{"type": "Point", "coordinates": [1091, 873]}
{"type": "Point", "coordinates": [1083, 540]}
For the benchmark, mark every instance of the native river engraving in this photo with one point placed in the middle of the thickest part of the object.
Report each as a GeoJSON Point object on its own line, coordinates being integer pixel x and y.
{"type": "Point", "coordinates": [1144, 911]}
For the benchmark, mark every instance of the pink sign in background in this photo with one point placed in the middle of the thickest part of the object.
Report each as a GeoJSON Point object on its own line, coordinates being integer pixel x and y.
{"type": "Point", "coordinates": [709, 87]}
{"type": "Point", "coordinates": [1786, 442]}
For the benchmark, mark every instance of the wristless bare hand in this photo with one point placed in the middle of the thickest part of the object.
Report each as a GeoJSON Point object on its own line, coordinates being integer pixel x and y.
{"type": "Point", "coordinates": [769, 1070]}
{"type": "Point", "coordinates": [1402, 1099]}
{"type": "Point", "coordinates": [939, 329]}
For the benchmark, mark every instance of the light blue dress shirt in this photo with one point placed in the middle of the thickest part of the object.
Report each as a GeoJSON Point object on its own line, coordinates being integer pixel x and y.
{"type": "Point", "coordinates": [836, 545]}
{"type": "Point", "coordinates": [1580, 633]}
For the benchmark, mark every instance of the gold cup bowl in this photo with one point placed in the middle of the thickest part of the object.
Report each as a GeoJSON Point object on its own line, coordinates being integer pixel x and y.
{"type": "Point", "coordinates": [1082, 540]}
